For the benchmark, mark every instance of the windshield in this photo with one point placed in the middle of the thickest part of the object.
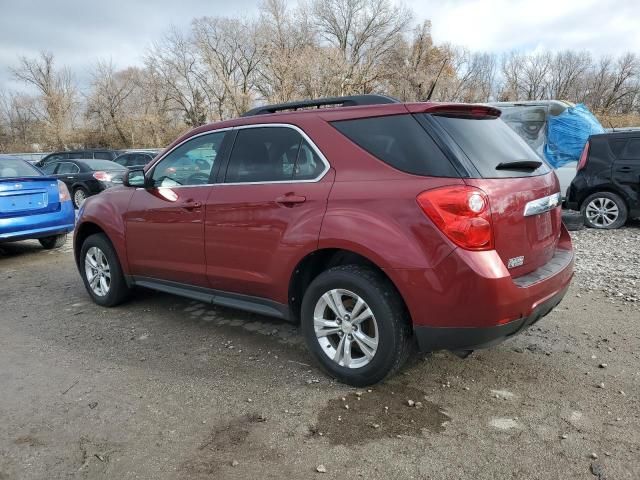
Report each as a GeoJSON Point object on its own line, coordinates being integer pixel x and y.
{"type": "Point", "coordinates": [488, 143]}
{"type": "Point", "coordinates": [102, 165]}
{"type": "Point", "coordinates": [14, 168]}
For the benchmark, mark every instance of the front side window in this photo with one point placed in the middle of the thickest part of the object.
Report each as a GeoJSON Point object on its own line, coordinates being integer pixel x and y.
{"type": "Point", "coordinates": [189, 164]}
{"type": "Point", "coordinates": [49, 168]}
{"type": "Point", "coordinates": [272, 154]}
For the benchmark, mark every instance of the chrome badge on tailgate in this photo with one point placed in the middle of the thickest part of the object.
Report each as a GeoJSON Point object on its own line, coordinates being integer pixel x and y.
{"type": "Point", "coordinates": [541, 205]}
{"type": "Point", "coordinates": [515, 262]}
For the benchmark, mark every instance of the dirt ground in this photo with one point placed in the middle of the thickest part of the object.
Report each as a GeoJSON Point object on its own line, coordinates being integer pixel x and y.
{"type": "Point", "coordinates": [167, 388]}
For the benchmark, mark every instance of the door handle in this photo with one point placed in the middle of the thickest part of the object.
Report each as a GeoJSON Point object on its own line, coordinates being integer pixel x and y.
{"type": "Point", "coordinates": [624, 169]}
{"type": "Point", "coordinates": [190, 205]}
{"type": "Point", "coordinates": [290, 200]}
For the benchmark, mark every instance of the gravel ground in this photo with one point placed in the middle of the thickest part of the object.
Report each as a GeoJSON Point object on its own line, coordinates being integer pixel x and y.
{"type": "Point", "coordinates": [609, 263]}
{"type": "Point", "coordinates": [166, 388]}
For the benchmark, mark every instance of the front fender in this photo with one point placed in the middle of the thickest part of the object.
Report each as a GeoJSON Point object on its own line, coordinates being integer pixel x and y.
{"type": "Point", "coordinates": [106, 211]}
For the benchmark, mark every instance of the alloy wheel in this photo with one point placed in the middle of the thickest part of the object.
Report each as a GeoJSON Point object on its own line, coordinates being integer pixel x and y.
{"type": "Point", "coordinates": [97, 271]}
{"type": "Point", "coordinates": [346, 328]}
{"type": "Point", "coordinates": [79, 197]}
{"type": "Point", "coordinates": [602, 212]}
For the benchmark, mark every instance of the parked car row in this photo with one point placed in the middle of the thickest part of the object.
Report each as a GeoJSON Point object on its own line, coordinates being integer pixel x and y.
{"type": "Point", "coordinates": [127, 158]}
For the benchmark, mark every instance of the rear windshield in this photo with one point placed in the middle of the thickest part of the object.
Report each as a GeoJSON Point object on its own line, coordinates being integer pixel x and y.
{"type": "Point", "coordinates": [102, 165]}
{"type": "Point", "coordinates": [10, 168]}
{"type": "Point", "coordinates": [400, 141]}
{"type": "Point", "coordinates": [488, 142]}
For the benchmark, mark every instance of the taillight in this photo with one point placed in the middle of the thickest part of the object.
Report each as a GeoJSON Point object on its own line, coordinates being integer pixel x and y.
{"type": "Point", "coordinates": [63, 192]}
{"type": "Point", "coordinates": [462, 213]}
{"type": "Point", "coordinates": [102, 176]}
{"type": "Point", "coordinates": [583, 157]}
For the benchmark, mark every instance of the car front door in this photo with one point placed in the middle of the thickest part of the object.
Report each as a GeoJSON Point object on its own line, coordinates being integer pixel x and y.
{"type": "Point", "coordinates": [268, 209]}
{"type": "Point", "coordinates": [626, 172]}
{"type": "Point", "coordinates": [165, 220]}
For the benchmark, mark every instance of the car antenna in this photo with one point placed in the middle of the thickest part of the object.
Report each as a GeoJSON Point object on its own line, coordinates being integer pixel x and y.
{"type": "Point", "coordinates": [433, 85]}
{"type": "Point", "coordinates": [613, 129]}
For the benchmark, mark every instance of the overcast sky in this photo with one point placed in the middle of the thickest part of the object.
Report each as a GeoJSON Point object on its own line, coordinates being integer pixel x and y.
{"type": "Point", "coordinates": [80, 32]}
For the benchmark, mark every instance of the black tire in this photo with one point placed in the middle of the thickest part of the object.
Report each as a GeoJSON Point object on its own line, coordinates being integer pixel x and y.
{"type": "Point", "coordinates": [599, 198]}
{"type": "Point", "coordinates": [55, 241]}
{"type": "Point", "coordinates": [78, 192]}
{"type": "Point", "coordinates": [394, 331]}
{"type": "Point", "coordinates": [572, 220]}
{"type": "Point", "coordinates": [118, 290]}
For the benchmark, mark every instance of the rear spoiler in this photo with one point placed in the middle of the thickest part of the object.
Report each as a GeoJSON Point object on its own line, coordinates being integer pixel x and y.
{"type": "Point", "coordinates": [461, 110]}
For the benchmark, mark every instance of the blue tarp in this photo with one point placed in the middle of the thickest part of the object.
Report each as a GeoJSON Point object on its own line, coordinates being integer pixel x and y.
{"type": "Point", "coordinates": [568, 133]}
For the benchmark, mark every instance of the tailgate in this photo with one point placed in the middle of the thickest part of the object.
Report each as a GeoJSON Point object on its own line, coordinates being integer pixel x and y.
{"type": "Point", "coordinates": [524, 242]}
{"type": "Point", "coordinates": [26, 196]}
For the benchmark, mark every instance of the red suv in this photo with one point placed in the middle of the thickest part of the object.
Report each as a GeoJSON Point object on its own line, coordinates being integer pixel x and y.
{"type": "Point", "coordinates": [377, 225]}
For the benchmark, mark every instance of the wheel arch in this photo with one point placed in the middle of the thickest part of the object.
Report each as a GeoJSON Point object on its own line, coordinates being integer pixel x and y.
{"type": "Point", "coordinates": [607, 188]}
{"type": "Point", "coordinates": [318, 261]}
{"type": "Point", "coordinates": [83, 231]}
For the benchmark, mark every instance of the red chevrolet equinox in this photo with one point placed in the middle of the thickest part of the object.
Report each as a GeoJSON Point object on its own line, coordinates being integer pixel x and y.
{"type": "Point", "coordinates": [377, 225]}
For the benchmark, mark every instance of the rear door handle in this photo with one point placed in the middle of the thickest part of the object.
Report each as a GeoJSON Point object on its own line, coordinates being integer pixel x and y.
{"type": "Point", "coordinates": [624, 169]}
{"type": "Point", "coordinates": [290, 200]}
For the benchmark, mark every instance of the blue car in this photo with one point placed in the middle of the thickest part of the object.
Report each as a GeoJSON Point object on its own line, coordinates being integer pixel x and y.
{"type": "Point", "coordinates": [33, 205]}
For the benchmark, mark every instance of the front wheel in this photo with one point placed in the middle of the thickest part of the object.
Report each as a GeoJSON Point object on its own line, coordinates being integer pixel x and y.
{"type": "Point", "coordinates": [55, 241]}
{"type": "Point", "coordinates": [604, 210]}
{"type": "Point", "coordinates": [355, 325]}
{"type": "Point", "coordinates": [101, 271]}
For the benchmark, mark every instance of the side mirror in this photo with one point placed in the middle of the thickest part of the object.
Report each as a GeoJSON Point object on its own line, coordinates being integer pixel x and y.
{"type": "Point", "coordinates": [134, 178]}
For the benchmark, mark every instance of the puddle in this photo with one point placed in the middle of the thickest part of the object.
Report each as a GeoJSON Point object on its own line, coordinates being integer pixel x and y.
{"type": "Point", "coordinates": [366, 419]}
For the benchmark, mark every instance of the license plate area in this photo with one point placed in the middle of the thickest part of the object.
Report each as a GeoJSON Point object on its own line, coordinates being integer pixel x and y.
{"type": "Point", "coordinates": [23, 202]}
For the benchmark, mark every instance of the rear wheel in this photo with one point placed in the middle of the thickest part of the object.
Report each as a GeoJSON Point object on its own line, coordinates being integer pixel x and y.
{"type": "Point", "coordinates": [101, 271]}
{"type": "Point", "coordinates": [79, 196]}
{"type": "Point", "coordinates": [604, 210]}
{"type": "Point", "coordinates": [55, 241]}
{"type": "Point", "coordinates": [355, 324]}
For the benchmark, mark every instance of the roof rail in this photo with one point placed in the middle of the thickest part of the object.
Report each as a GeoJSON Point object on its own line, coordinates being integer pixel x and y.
{"type": "Point", "coordinates": [348, 101]}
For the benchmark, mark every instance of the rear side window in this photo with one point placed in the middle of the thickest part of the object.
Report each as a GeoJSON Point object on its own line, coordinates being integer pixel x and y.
{"type": "Point", "coordinates": [632, 152]}
{"type": "Point", "coordinates": [67, 168]}
{"type": "Point", "coordinates": [488, 142]}
{"type": "Point", "coordinates": [272, 154]}
{"type": "Point", "coordinates": [102, 155]}
{"type": "Point", "coordinates": [617, 146]}
{"type": "Point", "coordinates": [399, 141]}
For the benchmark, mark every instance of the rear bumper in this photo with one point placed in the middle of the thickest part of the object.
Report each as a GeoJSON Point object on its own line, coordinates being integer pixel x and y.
{"type": "Point", "coordinates": [38, 226]}
{"type": "Point", "coordinates": [443, 338]}
{"type": "Point", "coordinates": [470, 299]}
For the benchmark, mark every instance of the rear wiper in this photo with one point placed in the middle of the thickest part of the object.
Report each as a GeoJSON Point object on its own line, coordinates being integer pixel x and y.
{"type": "Point", "coordinates": [519, 165]}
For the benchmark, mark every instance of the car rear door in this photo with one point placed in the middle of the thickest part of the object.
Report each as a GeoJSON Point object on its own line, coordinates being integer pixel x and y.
{"type": "Point", "coordinates": [626, 172]}
{"type": "Point", "coordinates": [165, 221]}
{"type": "Point", "coordinates": [69, 173]}
{"type": "Point", "coordinates": [267, 211]}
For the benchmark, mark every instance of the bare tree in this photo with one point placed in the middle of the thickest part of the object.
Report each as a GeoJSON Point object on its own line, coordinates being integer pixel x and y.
{"type": "Point", "coordinates": [57, 95]}
{"type": "Point", "coordinates": [364, 32]}
{"type": "Point", "coordinates": [174, 61]}
{"type": "Point", "coordinates": [110, 91]}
